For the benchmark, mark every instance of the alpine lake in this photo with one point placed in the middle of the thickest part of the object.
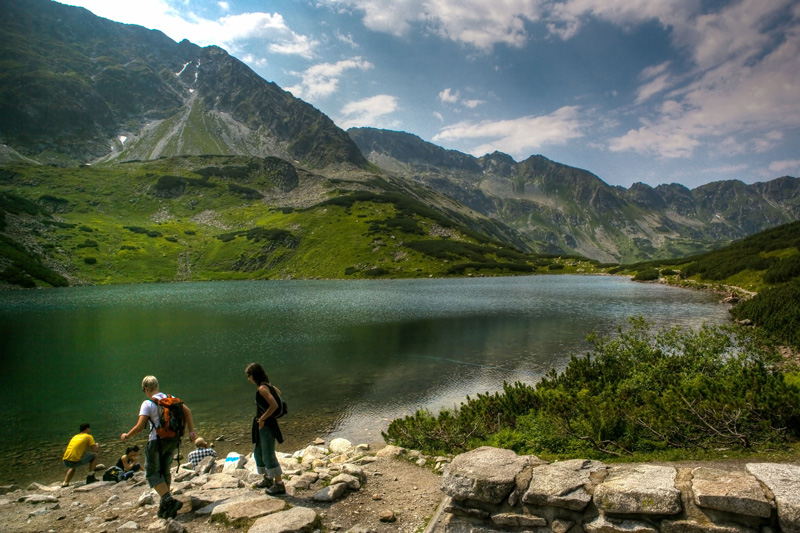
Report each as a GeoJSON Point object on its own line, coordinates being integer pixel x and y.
{"type": "Point", "coordinates": [348, 356]}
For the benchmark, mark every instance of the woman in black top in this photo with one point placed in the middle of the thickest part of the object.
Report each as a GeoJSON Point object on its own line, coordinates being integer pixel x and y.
{"type": "Point", "coordinates": [128, 461]}
{"type": "Point", "coordinates": [266, 431]}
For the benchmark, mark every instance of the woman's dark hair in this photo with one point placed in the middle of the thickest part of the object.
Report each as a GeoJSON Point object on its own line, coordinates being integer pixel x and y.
{"type": "Point", "coordinates": [257, 372]}
{"type": "Point", "coordinates": [131, 449]}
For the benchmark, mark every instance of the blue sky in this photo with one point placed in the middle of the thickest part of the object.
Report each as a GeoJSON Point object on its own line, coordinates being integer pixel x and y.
{"type": "Point", "coordinates": [653, 91]}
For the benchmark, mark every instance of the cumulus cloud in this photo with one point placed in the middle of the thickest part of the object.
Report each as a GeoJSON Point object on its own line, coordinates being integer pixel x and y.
{"type": "Point", "coordinates": [369, 112]}
{"type": "Point", "coordinates": [323, 79]}
{"type": "Point", "coordinates": [517, 136]}
{"type": "Point", "coordinates": [477, 23]}
{"type": "Point", "coordinates": [786, 166]}
{"type": "Point", "coordinates": [227, 31]}
{"type": "Point", "coordinates": [449, 96]}
{"type": "Point", "coordinates": [745, 79]}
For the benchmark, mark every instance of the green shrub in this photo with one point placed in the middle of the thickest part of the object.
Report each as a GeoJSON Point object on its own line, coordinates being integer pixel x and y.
{"type": "Point", "coordinates": [90, 260]}
{"type": "Point", "coordinates": [555, 266]}
{"type": "Point", "coordinates": [153, 233]}
{"type": "Point", "coordinates": [88, 243]}
{"type": "Point", "coordinates": [668, 272]}
{"type": "Point", "coordinates": [776, 310]}
{"type": "Point", "coordinates": [247, 193]}
{"type": "Point", "coordinates": [783, 270]}
{"type": "Point", "coordinates": [135, 229]}
{"type": "Point", "coordinates": [650, 274]}
{"type": "Point", "coordinates": [190, 232]}
{"type": "Point", "coordinates": [639, 391]}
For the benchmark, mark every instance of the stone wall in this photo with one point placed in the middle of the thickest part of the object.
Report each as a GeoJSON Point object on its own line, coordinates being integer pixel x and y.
{"type": "Point", "coordinates": [490, 489]}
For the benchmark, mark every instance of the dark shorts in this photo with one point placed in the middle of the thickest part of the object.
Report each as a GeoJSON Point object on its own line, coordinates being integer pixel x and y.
{"type": "Point", "coordinates": [87, 458]}
{"type": "Point", "coordinates": [158, 458]}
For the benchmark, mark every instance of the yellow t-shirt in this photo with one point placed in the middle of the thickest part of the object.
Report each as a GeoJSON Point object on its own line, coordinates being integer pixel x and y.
{"type": "Point", "coordinates": [77, 447]}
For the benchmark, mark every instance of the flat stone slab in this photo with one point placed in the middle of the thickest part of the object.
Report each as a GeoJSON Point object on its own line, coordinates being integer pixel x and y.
{"type": "Point", "coordinates": [485, 474]}
{"type": "Point", "coordinates": [688, 526]}
{"type": "Point", "coordinates": [223, 481]}
{"type": "Point", "coordinates": [228, 498]}
{"type": "Point", "coordinates": [39, 498]}
{"type": "Point", "coordinates": [562, 484]}
{"type": "Point", "coordinates": [733, 492]}
{"type": "Point", "coordinates": [291, 521]}
{"type": "Point", "coordinates": [518, 520]}
{"type": "Point", "coordinates": [601, 524]}
{"type": "Point", "coordinates": [784, 482]}
{"type": "Point", "coordinates": [203, 498]}
{"type": "Point", "coordinates": [249, 510]}
{"type": "Point", "coordinates": [639, 489]}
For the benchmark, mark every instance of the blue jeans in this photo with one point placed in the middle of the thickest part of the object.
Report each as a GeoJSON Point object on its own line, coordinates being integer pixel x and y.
{"type": "Point", "coordinates": [158, 458]}
{"type": "Point", "coordinates": [264, 454]}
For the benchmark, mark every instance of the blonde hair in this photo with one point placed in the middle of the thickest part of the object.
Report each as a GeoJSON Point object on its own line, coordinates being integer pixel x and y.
{"type": "Point", "coordinates": [149, 383]}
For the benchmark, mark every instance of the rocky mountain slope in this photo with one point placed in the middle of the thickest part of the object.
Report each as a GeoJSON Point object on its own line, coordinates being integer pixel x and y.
{"type": "Point", "coordinates": [561, 209]}
{"type": "Point", "coordinates": [77, 88]}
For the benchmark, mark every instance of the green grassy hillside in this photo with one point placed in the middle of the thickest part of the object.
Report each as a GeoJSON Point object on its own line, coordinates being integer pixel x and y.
{"type": "Point", "coordinates": [216, 217]}
{"type": "Point", "coordinates": [767, 263]}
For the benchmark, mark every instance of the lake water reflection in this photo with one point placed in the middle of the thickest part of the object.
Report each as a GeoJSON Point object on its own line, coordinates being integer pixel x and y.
{"type": "Point", "coordinates": [348, 355]}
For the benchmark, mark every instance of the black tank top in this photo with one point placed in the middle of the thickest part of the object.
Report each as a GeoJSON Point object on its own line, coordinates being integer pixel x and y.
{"type": "Point", "coordinates": [261, 404]}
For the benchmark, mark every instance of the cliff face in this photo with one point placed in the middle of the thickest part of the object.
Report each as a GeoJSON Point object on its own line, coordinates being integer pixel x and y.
{"type": "Point", "coordinates": [77, 87]}
{"type": "Point", "coordinates": [561, 209]}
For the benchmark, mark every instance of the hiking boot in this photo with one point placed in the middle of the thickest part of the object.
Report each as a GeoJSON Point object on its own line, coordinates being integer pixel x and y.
{"type": "Point", "coordinates": [160, 512]}
{"type": "Point", "coordinates": [277, 488]}
{"type": "Point", "coordinates": [91, 479]}
{"type": "Point", "coordinates": [171, 508]}
{"type": "Point", "coordinates": [264, 483]}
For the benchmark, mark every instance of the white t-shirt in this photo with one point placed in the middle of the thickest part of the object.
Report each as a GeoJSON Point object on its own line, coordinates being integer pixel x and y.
{"type": "Point", "coordinates": [150, 410]}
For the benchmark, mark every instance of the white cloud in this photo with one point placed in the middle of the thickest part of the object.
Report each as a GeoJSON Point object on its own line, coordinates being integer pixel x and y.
{"type": "Point", "coordinates": [369, 112]}
{"type": "Point", "coordinates": [252, 60]}
{"type": "Point", "coordinates": [745, 81]}
{"type": "Point", "coordinates": [225, 6]}
{"type": "Point", "coordinates": [517, 136]}
{"type": "Point", "coordinates": [438, 116]}
{"type": "Point", "coordinates": [322, 80]}
{"type": "Point", "coordinates": [786, 166]}
{"type": "Point", "coordinates": [449, 97]}
{"type": "Point", "coordinates": [477, 23]}
{"type": "Point", "coordinates": [226, 32]}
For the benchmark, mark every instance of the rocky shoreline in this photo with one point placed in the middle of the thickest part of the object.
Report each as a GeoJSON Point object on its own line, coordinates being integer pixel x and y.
{"type": "Point", "coordinates": [338, 487]}
{"type": "Point", "coordinates": [356, 489]}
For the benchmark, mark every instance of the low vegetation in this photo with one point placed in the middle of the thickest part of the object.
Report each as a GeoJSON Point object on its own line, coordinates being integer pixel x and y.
{"type": "Point", "coordinates": [224, 217]}
{"type": "Point", "coordinates": [633, 395]}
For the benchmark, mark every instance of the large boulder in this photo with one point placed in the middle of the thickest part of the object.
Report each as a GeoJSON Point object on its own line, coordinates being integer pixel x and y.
{"type": "Point", "coordinates": [331, 493]}
{"type": "Point", "coordinates": [784, 482]}
{"type": "Point", "coordinates": [563, 484]}
{"type": "Point", "coordinates": [485, 474]}
{"type": "Point", "coordinates": [340, 446]}
{"type": "Point", "coordinates": [233, 461]}
{"type": "Point", "coordinates": [733, 492]}
{"type": "Point", "coordinates": [639, 489]}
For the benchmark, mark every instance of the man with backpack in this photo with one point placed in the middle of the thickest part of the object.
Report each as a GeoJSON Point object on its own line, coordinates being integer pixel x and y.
{"type": "Point", "coordinates": [168, 417]}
